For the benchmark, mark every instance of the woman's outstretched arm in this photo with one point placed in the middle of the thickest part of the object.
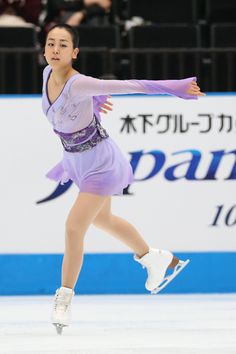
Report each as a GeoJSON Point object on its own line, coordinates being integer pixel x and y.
{"type": "Point", "coordinates": [89, 86]}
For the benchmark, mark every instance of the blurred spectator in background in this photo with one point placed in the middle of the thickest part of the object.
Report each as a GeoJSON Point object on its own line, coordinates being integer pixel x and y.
{"type": "Point", "coordinates": [94, 12]}
{"type": "Point", "coordinates": [76, 12]}
{"type": "Point", "coordinates": [21, 13]}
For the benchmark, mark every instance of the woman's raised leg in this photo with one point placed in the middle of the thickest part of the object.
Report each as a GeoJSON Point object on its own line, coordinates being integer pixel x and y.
{"type": "Point", "coordinates": [123, 230]}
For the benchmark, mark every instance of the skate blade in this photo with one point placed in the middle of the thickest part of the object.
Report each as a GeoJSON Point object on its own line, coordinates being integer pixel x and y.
{"type": "Point", "coordinates": [178, 268]}
{"type": "Point", "coordinates": [59, 328]}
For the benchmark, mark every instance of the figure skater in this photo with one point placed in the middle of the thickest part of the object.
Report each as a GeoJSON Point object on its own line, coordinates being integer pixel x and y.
{"type": "Point", "coordinates": [91, 159]}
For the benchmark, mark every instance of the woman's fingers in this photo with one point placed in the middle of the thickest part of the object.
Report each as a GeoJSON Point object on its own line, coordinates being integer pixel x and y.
{"type": "Point", "coordinates": [194, 85]}
{"type": "Point", "coordinates": [195, 90]}
{"type": "Point", "coordinates": [198, 93]}
{"type": "Point", "coordinates": [109, 103]}
{"type": "Point", "coordinates": [107, 106]}
{"type": "Point", "coordinates": [102, 110]}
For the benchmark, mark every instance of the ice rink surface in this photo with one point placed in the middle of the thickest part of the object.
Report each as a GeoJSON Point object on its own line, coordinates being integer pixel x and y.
{"type": "Point", "coordinates": [161, 324]}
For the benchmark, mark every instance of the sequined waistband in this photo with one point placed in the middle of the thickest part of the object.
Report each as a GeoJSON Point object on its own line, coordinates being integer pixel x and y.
{"type": "Point", "coordinates": [84, 139]}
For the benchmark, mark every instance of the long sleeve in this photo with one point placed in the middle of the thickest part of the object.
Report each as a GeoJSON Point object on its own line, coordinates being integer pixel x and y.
{"type": "Point", "coordinates": [89, 86]}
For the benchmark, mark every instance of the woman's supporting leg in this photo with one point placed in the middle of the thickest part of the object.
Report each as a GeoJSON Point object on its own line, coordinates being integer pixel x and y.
{"type": "Point", "coordinates": [123, 230]}
{"type": "Point", "coordinates": [81, 215]}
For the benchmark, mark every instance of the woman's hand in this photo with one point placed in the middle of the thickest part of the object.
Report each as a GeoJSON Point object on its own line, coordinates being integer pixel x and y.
{"type": "Point", "coordinates": [105, 4]}
{"type": "Point", "coordinates": [75, 19]}
{"type": "Point", "coordinates": [106, 106]}
{"type": "Point", "coordinates": [194, 89]}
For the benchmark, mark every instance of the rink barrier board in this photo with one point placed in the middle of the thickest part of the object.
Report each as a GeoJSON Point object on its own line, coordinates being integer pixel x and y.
{"type": "Point", "coordinates": [26, 274]}
{"type": "Point", "coordinates": [115, 273]}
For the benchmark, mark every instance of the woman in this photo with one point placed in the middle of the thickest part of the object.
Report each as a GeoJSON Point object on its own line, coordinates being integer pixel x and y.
{"type": "Point", "coordinates": [71, 102]}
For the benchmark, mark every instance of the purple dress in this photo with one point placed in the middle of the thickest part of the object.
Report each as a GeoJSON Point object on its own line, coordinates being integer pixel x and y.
{"type": "Point", "coordinates": [102, 169]}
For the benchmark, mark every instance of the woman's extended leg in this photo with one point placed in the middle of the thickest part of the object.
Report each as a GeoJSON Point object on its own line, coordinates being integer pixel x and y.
{"type": "Point", "coordinates": [123, 230]}
{"type": "Point", "coordinates": [81, 215]}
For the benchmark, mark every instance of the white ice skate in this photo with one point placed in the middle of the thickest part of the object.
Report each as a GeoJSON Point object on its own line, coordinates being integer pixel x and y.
{"type": "Point", "coordinates": [157, 261]}
{"type": "Point", "coordinates": [61, 308]}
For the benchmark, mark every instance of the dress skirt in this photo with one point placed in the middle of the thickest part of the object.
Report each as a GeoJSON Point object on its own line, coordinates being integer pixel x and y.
{"type": "Point", "coordinates": [102, 170]}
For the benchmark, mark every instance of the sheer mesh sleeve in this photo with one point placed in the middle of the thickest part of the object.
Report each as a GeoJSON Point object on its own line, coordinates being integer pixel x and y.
{"type": "Point", "coordinates": [89, 86]}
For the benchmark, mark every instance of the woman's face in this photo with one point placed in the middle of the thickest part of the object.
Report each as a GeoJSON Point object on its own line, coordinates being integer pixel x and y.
{"type": "Point", "coordinates": [59, 50]}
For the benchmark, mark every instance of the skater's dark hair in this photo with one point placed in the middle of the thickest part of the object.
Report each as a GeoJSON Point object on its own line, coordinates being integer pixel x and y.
{"type": "Point", "coordinates": [72, 30]}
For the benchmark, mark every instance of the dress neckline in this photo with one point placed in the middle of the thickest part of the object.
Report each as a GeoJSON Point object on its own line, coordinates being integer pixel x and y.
{"type": "Point", "coordinates": [67, 81]}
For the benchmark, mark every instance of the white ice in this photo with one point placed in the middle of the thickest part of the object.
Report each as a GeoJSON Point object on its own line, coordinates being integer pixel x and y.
{"type": "Point", "coordinates": [160, 324]}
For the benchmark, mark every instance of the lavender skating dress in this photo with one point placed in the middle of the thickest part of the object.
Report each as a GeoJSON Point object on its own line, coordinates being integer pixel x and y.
{"type": "Point", "coordinates": [91, 159]}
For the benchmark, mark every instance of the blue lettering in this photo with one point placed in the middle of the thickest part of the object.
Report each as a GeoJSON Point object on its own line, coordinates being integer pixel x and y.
{"type": "Point", "coordinates": [159, 160]}
{"type": "Point", "coordinates": [192, 166]}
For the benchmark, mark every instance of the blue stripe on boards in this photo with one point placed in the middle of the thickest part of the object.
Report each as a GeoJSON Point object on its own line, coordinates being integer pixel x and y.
{"type": "Point", "coordinates": [112, 273]}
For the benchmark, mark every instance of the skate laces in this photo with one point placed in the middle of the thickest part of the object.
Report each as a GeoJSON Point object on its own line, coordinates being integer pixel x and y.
{"type": "Point", "coordinates": [61, 301]}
